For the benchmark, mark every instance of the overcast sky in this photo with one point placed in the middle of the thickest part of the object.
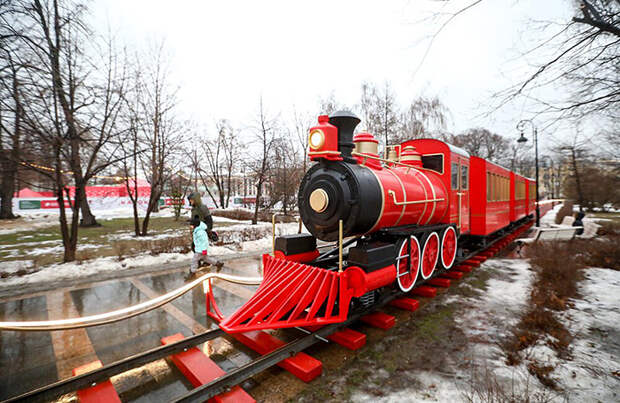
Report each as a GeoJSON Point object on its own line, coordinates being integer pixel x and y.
{"type": "Point", "coordinates": [226, 54]}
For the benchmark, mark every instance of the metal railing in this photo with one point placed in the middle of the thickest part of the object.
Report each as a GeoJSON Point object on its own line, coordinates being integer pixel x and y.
{"type": "Point", "coordinates": [124, 313]}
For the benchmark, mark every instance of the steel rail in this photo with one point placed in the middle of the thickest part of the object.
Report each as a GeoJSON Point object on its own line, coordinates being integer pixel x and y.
{"type": "Point", "coordinates": [238, 375]}
{"type": "Point", "coordinates": [124, 313]}
{"type": "Point", "coordinates": [54, 390]}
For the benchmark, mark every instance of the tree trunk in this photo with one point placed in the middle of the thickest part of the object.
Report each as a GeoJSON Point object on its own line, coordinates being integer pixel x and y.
{"type": "Point", "coordinates": [88, 219]}
{"type": "Point", "coordinates": [577, 180]}
{"type": "Point", "coordinates": [9, 164]}
{"type": "Point", "coordinates": [259, 191]}
{"type": "Point", "coordinates": [153, 203]}
{"type": "Point", "coordinates": [8, 188]}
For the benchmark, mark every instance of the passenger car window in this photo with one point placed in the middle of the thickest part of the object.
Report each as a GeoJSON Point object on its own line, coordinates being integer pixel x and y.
{"type": "Point", "coordinates": [455, 175]}
{"type": "Point", "coordinates": [464, 177]}
{"type": "Point", "coordinates": [489, 187]}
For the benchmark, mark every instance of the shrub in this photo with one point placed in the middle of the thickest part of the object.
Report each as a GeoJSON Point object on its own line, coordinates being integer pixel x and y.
{"type": "Point", "coordinates": [246, 215]}
{"type": "Point", "coordinates": [169, 245]}
{"type": "Point", "coordinates": [120, 249]}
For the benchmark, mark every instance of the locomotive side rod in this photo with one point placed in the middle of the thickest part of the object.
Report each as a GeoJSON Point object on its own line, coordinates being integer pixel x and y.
{"type": "Point", "coordinates": [49, 392]}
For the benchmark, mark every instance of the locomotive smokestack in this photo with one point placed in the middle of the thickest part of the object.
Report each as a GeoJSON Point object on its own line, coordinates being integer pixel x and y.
{"type": "Point", "coordinates": [346, 122]}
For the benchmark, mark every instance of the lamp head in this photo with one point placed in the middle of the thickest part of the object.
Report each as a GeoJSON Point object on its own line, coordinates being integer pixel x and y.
{"type": "Point", "coordinates": [521, 139]}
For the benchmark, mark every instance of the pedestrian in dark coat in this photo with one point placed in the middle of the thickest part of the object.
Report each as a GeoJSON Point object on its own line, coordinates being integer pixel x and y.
{"type": "Point", "coordinates": [199, 210]}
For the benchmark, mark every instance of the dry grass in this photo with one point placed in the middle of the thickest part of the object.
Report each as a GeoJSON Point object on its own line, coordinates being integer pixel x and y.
{"type": "Point", "coordinates": [601, 252]}
{"type": "Point", "coordinates": [120, 249]}
{"type": "Point", "coordinates": [485, 387]}
{"type": "Point", "coordinates": [169, 245]}
{"type": "Point", "coordinates": [558, 272]}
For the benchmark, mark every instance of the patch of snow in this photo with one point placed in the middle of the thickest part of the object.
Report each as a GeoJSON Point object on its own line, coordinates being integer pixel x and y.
{"type": "Point", "coordinates": [15, 266]}
{"type": "Point", "coordinates": [591, 374]}
{"type": "Point", "coordinates": [594, 321]}
{"type": "Point", "coordinates": [549, 219]}
{"type": "Point", "coordinates": [70, 271]}
{"type": "Point", "coordinates": [431, 388]}
{"type": "Point", "coordinates": [57, 272]}
{"type": "Point", "coordinates": [34, 219]}
{"type": "Point", "coordinates": [27, 244]}
{"type": "Point", "coordinates": [126, 236]}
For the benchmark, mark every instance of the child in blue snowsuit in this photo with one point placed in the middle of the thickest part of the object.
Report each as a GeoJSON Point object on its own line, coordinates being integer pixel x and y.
{"type": "Point", "coordinates": [201, 244]}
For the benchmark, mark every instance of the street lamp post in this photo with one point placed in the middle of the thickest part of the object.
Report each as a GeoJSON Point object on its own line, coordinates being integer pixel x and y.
{"type": "Point", "coordinates": [522, 139]}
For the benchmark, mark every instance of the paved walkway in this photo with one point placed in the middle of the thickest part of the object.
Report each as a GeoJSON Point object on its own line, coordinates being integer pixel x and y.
{"type": "Point", "coordinates": [35, 359]}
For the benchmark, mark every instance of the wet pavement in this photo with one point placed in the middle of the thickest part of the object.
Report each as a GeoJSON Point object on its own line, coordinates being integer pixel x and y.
{"type": "Point", "coordinates": [30, 360]}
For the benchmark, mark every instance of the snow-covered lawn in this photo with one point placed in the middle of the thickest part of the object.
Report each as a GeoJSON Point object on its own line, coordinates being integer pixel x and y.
{"type": "Point", "coordinates": [592, 374]}
{"type": "Point", "coordinates": [71, 271]}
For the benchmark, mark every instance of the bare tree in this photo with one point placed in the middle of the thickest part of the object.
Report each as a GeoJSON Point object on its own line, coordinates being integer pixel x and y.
{"type": "Point", "coordinates": [482, 143]}
{"type": "Point", "coordinates": [301, 127]}
{"type": "Point", "coordinates": [129, 164]}
{"type": "Point", "coordinates": [159, 125]}
{"type": "Point", "coordinates": [285, 173]}
{"type": "Point", "coordinates": [67, 104]}
{"type": "Point", "coordinates": [329, 104]}
{"type": "Point", "coordinates": [424, 115]}
{"type": "Point", "coordinates": [264, 133]}
{"type": "Point", "coordinates": [10, 130]}
{"type": "Point", "coordinates": [580, 55]}
{"type": "Point", "coordinates": [380, 111]}
{"type": "Point", "coordinates": [584, 59]}
{"type": "Point", "coordinates": [221, 155]}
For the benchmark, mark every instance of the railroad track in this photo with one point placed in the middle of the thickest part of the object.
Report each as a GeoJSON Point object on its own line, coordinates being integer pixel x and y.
{"type": "Point", "coordinates": [236, 376]}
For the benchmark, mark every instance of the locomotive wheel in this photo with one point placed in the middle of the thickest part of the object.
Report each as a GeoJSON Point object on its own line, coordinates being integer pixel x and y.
{"type": "Point", "coordinates": [406, 276]}
{"type": "Point", "coordinates": [449, 244]}
{"type": "Point", "coordinates": [430, 255]}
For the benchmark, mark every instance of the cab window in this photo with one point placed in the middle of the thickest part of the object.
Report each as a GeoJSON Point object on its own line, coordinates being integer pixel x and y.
{"type": "Point", "coordinates": [433, 162]}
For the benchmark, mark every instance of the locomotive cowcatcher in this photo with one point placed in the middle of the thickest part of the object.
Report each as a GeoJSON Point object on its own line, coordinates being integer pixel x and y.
{"type": "Point", "coordinates": [399, 220]}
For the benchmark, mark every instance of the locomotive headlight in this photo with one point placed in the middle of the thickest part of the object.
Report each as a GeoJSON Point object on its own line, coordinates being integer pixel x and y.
{"type": "Point", "coordinates": [317, 139]}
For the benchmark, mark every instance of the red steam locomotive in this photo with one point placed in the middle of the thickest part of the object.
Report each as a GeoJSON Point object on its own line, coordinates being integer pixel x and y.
{"type": "Point", "coordinates": [407, 216]}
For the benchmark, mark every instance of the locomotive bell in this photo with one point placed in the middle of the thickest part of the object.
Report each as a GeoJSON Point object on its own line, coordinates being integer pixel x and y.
{"type": "Point", "coordinates": [346, 122]}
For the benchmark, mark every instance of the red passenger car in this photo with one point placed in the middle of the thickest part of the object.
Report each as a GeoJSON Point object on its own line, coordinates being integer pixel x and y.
{"type": "Point", "coordinates": [490, 203]}
{"type": "Point", "coordinates": [518, 197]}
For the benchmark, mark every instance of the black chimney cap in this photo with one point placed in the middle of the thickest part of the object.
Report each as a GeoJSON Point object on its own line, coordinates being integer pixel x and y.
{"type": "Point", "coordinates": [344, 114]}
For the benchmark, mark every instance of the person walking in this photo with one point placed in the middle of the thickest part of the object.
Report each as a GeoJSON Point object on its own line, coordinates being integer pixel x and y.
{"type": "Point", "coordinates": [200, 245]}
{"type": "Point", "coordinates": [199, 210]}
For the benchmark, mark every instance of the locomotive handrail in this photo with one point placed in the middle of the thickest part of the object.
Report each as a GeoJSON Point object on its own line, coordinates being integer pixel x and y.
{"type": "Point", "coordinates": [393, 194]}
{"type": "Point", "coordinates": [124, 313]}
{"type": "Point", "coordinates": [374, 157]}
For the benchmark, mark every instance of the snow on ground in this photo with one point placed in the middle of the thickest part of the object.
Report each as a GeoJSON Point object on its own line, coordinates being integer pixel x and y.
{"type": "Point", "coordinates": [486, 319]}
{"type": "Point", "coordinates": [71, 271]}
{"type": "Point", "coordinates": [57, 272]}
{"type": "Point", "coordinates": [31, 220]}
{"type": "Point", "coordinates": [549, 219]}
{"type": "Point", "coordinates": [15, 266]}
{"type": "Point", "coordinates": [593, 374]}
